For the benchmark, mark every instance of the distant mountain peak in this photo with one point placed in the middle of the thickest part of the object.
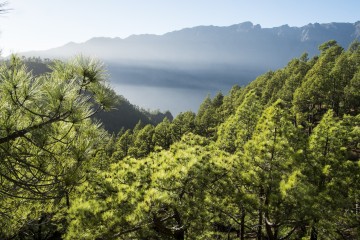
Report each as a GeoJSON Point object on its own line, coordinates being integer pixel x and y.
{"type": "Point", "coordinates": [357, 30]}
{"type": "Point", "coordinates": [246, 26]}
{"type": "Point", "coordinates": [71, 43]}
{"type": "Point", "coordinates": [243, 43]}
{"type": "Point", "coordinates": [204, 57]}
{"type": "Point", "coordinates": [101, 40]}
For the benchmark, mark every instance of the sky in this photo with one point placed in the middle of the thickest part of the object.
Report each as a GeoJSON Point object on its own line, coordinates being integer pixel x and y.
{"type": "Point", "coordinates": [44, 24]}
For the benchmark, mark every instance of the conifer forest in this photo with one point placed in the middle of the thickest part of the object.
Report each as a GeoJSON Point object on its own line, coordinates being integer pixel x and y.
{"type": "Point", "coordinates": [275, 159]}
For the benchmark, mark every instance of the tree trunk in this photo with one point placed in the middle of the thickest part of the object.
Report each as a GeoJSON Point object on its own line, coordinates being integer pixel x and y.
{"type": "Point", "coordinates": [67, 199]}
{"type": "Point", "coordinates": [242, 224]}
{"type": "Point", "coordinates": [260, 216]}
{"type": "Point", "coordinates": [268, 227]}
{"type": "Point", "coordinates": [269, 231]}
{"type": "Point", "coordinates": [39, 231]}
{"type": "Point", "coordinates": [179, 234]}
{"type": "Point", "coordinates": [313, 234]}
{"type": "Point", "coordinates": [259, 228]}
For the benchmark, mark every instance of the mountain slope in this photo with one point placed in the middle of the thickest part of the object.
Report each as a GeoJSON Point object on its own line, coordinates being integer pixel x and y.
{"type": "Point", "coordinates": [208, 58]}
{"type": "Point", "coordinates": [220, 49]}
{"type": "Point", "coordinates": [125, 115]}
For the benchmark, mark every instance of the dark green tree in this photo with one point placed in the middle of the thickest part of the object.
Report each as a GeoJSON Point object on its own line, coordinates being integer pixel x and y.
{"type": "Point", "coordinates": [295, 72]}
{"type": "Point", "coordinates": [230, 102]}
{"type": "Point", "coordinates": [207, 118]}
{"type": "Point", "coordinates": [182, 124]}
{"type": "Point", "coordinates": [122, 146]}
{"type": "Point", "coordinates": [143, 142]}
{"type": "Point", "coordinates": [162, 134]}
{"type": "Point", "coordinates": [204, 120]}
{"type": "Point", "coordinates": [312, 98]}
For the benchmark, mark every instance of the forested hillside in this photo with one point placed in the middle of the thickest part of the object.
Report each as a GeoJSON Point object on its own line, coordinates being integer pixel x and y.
{"type": "Point", "coordinates": [122, 116]}
{"type": "Point", "coordinates": [276, 159]}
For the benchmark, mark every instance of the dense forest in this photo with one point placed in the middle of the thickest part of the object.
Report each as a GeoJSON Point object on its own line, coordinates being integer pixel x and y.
{"type": "Point", "coordinates": [276, 159]}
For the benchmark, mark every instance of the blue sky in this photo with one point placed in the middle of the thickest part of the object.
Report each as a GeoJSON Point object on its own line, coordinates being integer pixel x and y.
{"type": "Point", "coordinates": [43, 24]}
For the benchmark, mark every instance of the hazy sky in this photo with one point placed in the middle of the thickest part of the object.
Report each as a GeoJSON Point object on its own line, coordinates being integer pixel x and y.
{"type": "Point", "coordinates": [43, 24]}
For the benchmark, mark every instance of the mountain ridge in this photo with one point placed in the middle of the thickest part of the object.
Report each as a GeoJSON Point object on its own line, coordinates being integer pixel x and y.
{"type": "Point", "coordinates": [208, 58]}
{"type": "Point", "coordinates": [244, 27]}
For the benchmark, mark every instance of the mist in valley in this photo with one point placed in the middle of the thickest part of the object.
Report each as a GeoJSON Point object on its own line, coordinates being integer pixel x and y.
{"type": "Point", "coordinates": [176, 70]}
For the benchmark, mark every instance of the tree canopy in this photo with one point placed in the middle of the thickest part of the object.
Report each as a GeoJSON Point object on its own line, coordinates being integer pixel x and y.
{"type": "Point", "coordinates": [276, 159]}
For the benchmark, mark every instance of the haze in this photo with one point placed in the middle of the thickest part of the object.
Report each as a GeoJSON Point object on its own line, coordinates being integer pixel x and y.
{"type": "Point", "coordinates": [43, 24]}
{"type": "Point", "coordinates": [153, 61]}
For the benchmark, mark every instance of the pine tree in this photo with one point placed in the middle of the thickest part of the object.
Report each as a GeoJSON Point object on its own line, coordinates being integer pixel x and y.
{"type": "Point", "coordinates": [162, 134]}
{"type": "Point", "coordinates": [238, 128]}
{"type": "Point", "coordinates": [46, 135]}
{"type": "Point", "coordinates": [122, 146]}
{"type": "Point", "coordinates": [143, 142]}
{"type": "Point", "coordinates": [312, 98]}
{"type": "Point", "coordinates": [328, 170]}
{"type": "Point", "coordinates": [269, 158]}
{"type": "Point", "coordinates": [183, 123]}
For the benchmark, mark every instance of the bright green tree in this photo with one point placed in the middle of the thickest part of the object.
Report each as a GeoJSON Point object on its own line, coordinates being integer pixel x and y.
{"type": "Point", "coordinates": [162, 196]}
{"type": "Point", "coordinates": [331, 177]}
{"type": "Point", "coordinates": [238, 128]}
{"type": "Point", "coordinates": [269, 161]}
{"type": "Point", "coordinates": [352, 95]}
{"type": "Point", "coordinates": [317, 91]}
{"type": "Point", "coordinates": [46, 135]}
{"type": "Point", "coordinates": [273, 86]}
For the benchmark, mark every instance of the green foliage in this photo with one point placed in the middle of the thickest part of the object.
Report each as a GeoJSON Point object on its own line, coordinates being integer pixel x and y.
{"type": "Point", "coordinates": [238, 128]}
{"type": "Point", "coordinates": [183, 123]}
{"type": "Point", "coordinates": [143, 142]}
{"type": "Point", "coordinates": [277, 159]}
{"type": "Point", "coordinates": [230, 102]}
{"type": "Point", "coordinates": [162, 135]}
{"type": "Point", "coordinates": [295, 72]}
{"type": "Point", "coordinates": [126, 115]}
{"type": "Point", "coordinates": [269, 160]}
{"type": "Point", "coordinates": [330, 175]}
{"type": "Point", "coordinates": [155, 197]}
{"type": "Point", "coordinates": [320, 88]}
{"type": "Point", "coordinates": [122, 146]}
{"type": "Point", "coordinates": [208, 117]}
{"type": "Point", "coordinates": [46, 136]}
{"type": "Point", "coordinates": [352, 94]}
